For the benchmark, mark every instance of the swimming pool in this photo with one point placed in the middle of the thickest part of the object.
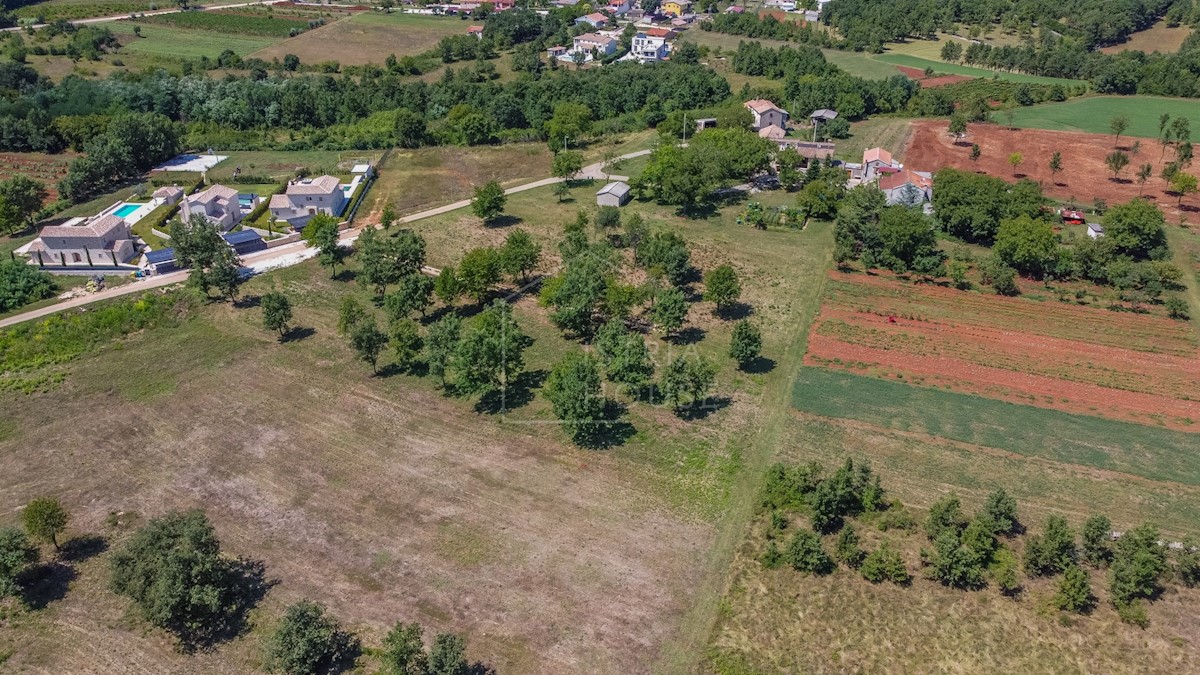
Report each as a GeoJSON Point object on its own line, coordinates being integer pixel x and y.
{"type": "Point", "coordinates": [126, 209]}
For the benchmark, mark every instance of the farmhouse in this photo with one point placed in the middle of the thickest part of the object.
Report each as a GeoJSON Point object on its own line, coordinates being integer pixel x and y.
{"type": "Point", "coordinates": [766, 114]}
{"type": "Point", "coordinates": [104, 240]}
{"type": "Point", "coordinates": [219, 204]}
{"type": "Point", "coordinates": [476, 31]}
{"type": "Point", "coordinates": [613, 194]}
{"type": "Point", "coordinates": [676, 7]}
{"type": "Point", "coordinates": [875, 162]}
{"type": "Point", "coordinates": [306, 198]}
{"type": "Point", "coordinates": [907, 187]}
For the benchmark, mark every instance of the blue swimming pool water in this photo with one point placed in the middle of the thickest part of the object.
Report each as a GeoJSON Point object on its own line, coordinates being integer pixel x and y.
{"type": "Point", "coordinates": [126, 209]}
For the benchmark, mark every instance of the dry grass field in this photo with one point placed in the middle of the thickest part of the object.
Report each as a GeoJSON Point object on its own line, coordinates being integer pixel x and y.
{"type": "Point", "coordinates": [1158, 38]}
{"type": "Point", "coordinates": [367, 37]}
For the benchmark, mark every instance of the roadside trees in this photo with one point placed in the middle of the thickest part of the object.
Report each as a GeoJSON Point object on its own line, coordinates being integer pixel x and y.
{"type": "Point", "coordinates": [488, 202]}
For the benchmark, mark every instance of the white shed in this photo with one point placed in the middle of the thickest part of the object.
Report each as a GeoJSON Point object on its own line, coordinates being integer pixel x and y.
{"type": "Point", "coordinates": [1095, 231]}
{"type": "Point", "coordinates": [613, 194]}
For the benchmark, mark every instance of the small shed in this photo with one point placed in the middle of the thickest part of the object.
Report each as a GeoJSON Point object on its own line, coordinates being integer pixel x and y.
{"type": "Point", "coordinates": [1095, 231]}
{"type": "Point", "coordinates": [613, 194]}
{"type": "Point", "coordinates": [245, 241]}
{"type": "Point", "coordinates": [161, 260]}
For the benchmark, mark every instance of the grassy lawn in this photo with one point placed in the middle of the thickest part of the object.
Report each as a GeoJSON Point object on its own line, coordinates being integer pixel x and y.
{"type": "Point", "coordinates": [860, 64]}
{"type": "Point", "coordinates": [1093, 113]}
{"type": "Point", "coordinates": [368, 37]}
{"type": "Point", "coordinates": [168, 41]}
{"type": "Point", "coordinates": [956, 69]}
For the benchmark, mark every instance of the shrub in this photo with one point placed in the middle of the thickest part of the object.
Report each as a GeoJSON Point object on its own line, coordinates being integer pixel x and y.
{"type": "Point", "coordinates": [847, 550]}
{"type": "Point", "coordinates": [1074, 591]}
{"type": "Point", "coordinates": [805, 554]}
{"type": "Point", "coordinates": [1053, 551]}
{"type": "Point", "coordinates": [885, 563]}
{"type": "Point", "coordinates": [308, 641]}
{"type": "Point", "coordinates": [21, 284]}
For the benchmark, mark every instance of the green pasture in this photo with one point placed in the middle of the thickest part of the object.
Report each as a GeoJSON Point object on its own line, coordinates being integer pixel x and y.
{"type": "Point", "coordinates": [160, 40]}
{"type": "Point", "coordinates": [1094, 113]}
{"type": "Point", "coordinates": [955, 69]}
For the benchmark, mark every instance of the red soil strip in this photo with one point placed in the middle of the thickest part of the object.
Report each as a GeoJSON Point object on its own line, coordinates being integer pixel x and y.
{"type": "Point", "coordinates": [1084, 178]}
{"type": "Point", "coordinates": [994, 382]}
{"type": "Point", "coordinates": [931, 82]}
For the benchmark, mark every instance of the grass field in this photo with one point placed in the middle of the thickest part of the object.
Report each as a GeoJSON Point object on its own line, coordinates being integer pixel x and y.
{"type": "Point", "coordinates": [231, 22]}
{"type": "Point", "coordinates": [956, 69]}
{"type": "Point", "coordinates": [368, 37]}
{"type": "Point", "coordinates": [1093, 114]}
{"type": "Point", "coordinates": [855, 63]}
{"type": "Point", "coordinates": [1158, 38]}
{"type": "Point", "coordinates": [169, 41]}
{"type": "Point", "coordinates": [877, 132]}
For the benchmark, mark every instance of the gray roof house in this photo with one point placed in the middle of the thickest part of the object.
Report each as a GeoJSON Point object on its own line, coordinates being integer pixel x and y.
{"type": "Point", "coordinates": [613, 194]}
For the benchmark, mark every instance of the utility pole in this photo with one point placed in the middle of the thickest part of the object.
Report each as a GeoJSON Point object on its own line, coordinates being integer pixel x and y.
{"type": "Point", "coordinates": [684, 139]}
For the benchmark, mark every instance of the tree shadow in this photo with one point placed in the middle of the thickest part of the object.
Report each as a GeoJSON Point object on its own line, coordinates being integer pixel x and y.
{"type": "Point", "coordinates": [248, 301]}
{"type": "Point", "coordinates": [518, 394]}
{"type": "Point", "coordinates": [249, 583]}
{"type": "Point", "coordinates": [416, 369]}
{"type": "Point", "coordinates": [346, 275]}
{"type": "Point", "coordinates": [759, 366]}
{"type": "Point", "coordinates": [688, 336]}
{"type": "Point", "coordinates": [83, 547]}
{"type": "Point", "coordinates": [296, 334]}
{"type": "Point", "coordinates": [735, 311]}
{"type": "Point", "coordinates": [610, 431]}
{"type": "Point", "coordinates": [44, 584]}
{"type": "Point", "coordinates": [1121, 181]}
{"type": "Point", "coordinates": [506, 220]}
{"type": "Point", "coordinates": [703, 408]}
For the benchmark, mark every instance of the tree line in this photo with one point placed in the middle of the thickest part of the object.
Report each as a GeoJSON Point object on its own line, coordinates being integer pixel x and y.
{"type": "Point", "coordinates": [960, 550]}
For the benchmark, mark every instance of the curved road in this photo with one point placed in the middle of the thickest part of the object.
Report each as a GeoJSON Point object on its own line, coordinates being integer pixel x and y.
{"type": "Point", "coordinates": [294, 253]}
{"type": "Point", "coordinates": [105, 19]}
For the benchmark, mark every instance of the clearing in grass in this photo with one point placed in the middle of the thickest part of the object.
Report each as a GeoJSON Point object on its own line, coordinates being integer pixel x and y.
{"type": "Point", "coordinates": [368, 37]}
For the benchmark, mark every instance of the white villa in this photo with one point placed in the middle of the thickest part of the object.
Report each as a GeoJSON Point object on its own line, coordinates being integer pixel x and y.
{"type": "Point", "coordinates": [217, 203]}
{"type": "Point", "coordinates": [646, 48]}
{"type": "Point", "coordinates": [306, 198]}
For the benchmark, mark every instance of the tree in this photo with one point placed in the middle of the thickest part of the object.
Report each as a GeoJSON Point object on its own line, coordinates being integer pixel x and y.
{"type": "Point", "coordinates": [561, 191]}
{"type": "Point", "coordinates": [746, 345]}
{"type": "Point", "coordinates": [789, 162]}
{"type": "Point", "coordinates": [1056, 166]}
{"type": "Point", "coordinates": [1028, 245]}
{"type": "Point", "coordinates": [608, 218]}
{"type": "Point", "coordinates": [291, 62]}
{"type": "Point", "coordinates": [1144, 173]}
{"type": "Point", "coordinates": [1187, 562]}
{"type": "Point", "coordinates": [491, 351]}
{"type": "Point", "coordinates": [520, 255]}
{"type": "Point", "coordinates": [571, 122]}
{"type": "Point", "coordinates": [1097, 541]}
{"type": "Point", "coordinates": [403, 651]}
{"type": "Point", "coordinates": [1001, 510]}
{"type": "Point", "coordinates": [375, 269]}
{"type": "Point", "coordinates": [975, 152]}
{"type": "Point", "coordinates": [687, 381]}
{"type": "Point", "coordinates": [1138, 564]}
{"type": "Point", "coordinates": [308, 641]}
{"type": "Point", "coordinates": [23, 198]}
{"type": "Point", "coordinates": [414, 293]}
{"type": "Point", "coordinates": [669, 310]}
{"type": "Point", "coordinates": [805, 554]}
{"type": "Point", "coordinates": [1074, 592]}
{"type": "Point", "coordinates": [1053, 551]}
{"type": "Point", "coordinates": [958, 126]}
{"type": "Point", "coordinates": [368, 341]}
{"type": "Point", "coordinates": [441, 342]}
{"type": "Point", "coordinates": [1116, 161]}
{"type": "Point", "coordinates": [909, 241]}
{"type": "Point", "coordinates": [16, 554]}
{"type": "Point", "coordinates": [478, 271]}
{"type": "Point", "coordinates": [573, 389]}
{"type": "Point", "coordinates": [955, 565]}
{"type": "Point", "coordinates": [198, 245]}
{"type": "Point", "coordinates": [447, 656]}
{"type": "Point", "coordinates": [447, 286]}
{"type": "Point", "coordinates": [388, 217]}
{"type": "Point", "coordinates": [405, 337]}
{"type": "Point", "coordinates": [885, 563]}
{"type": "Point", "coordinates": [349, 314]}
{"type": "Point", "coordinates": [945, 516]}
{"type": "Point", "coordinates": [624, 354]}
{"type": "Point", "coordinates": [1135, 228]}
{"type": "Point", "coordinates": [847, 550]}
{"type": "Point", "coordinates": [175, 574]}
{"type": "Point", "coordinates": [1015, 160]}
{"type": "Point", "coordinates": [325, 237]}
{"type": "Point", "coordinates": [409, 129]}
{"type": "Point", "coordinates": [951, 51]}
{"type": "Point", "coordinates": [44, 519]}
{"type": "Point", "coordinates": [665, 252]}
{"type": "Point", "coordinates": [1183, 184]}
{"type": "Point", "coordinates": [566, 165]}
{"type": "Point", "coordinates": [722, 287]}
{"type": "Point", "coordinates": [277, 312]}
{"type": "Point", "coordinates": [1117, 125]}
{"type": "Point", "coordinates": [488, 202]}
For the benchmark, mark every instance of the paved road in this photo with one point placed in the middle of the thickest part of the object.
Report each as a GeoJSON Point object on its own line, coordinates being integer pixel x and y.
{"type": "Point", "coordinates": [289, 254]}
{"type": "Point", "coordinates": [105, 19]}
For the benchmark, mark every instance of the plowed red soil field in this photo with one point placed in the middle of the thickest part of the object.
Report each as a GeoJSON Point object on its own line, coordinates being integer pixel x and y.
{"type": "Point", "coordinates": [1079, 359]}
{"type": "Point", "coordinates": [931, 82]}
{"type": "Point", "coordinates": [1085, 177]}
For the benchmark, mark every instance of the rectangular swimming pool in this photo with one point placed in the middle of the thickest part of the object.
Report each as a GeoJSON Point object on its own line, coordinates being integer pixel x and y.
{"type": "Point", "coordinates": [126, 209]}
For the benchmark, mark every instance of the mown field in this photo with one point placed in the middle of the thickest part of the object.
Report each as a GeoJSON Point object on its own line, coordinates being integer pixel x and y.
{"type": "Point", "coordinates": [1158, 38]}
{"type": "Point", "coordinates": [956, 69]}
{"type": "Point", "coordinates": [1093, 114]}
{"type": "Point", "coordinates": [231, 22]}
{"type": "Point", "coordinates": [368, 37]}
{"type": "Point", "coordinates": [489, 525]}
{"type": "Point", "coordinates": [170, 41]}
